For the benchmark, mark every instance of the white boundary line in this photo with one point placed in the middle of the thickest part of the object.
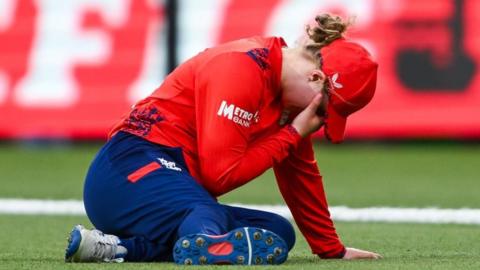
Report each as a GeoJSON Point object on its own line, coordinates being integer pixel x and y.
{"type": "Point", "coordinates": [339, 213]}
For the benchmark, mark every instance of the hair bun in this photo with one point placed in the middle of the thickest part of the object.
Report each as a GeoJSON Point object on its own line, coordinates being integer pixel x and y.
{"type": "Point", "coordinates": [328, 29]}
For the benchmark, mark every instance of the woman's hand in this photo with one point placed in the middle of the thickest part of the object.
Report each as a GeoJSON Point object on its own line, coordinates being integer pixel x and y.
{"type": "Point", "coordinates": [353, 254]}
{"type": "Point", "coordinates": [308, 121]}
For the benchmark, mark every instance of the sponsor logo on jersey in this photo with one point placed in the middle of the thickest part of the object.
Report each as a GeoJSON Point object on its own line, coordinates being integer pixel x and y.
{"type": "Point", "coordinates": [237, 115]}
{"type": "Point", "coordinates": [169, 165]}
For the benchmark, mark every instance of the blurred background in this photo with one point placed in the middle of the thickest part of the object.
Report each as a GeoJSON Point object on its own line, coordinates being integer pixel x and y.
{"type": "Point", "coordinates": [70, 69]}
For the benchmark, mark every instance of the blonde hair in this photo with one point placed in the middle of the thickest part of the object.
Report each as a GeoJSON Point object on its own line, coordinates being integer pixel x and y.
{"type": "Point", "coordinates": [327, 29]}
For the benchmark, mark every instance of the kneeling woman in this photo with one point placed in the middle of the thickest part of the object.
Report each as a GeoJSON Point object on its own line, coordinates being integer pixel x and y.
{"type": "Point", "coordinates": [217, 122]}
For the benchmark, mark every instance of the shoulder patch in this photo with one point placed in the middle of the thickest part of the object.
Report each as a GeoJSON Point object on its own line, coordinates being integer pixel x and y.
{"type": "Point", "coordinates": [260, 56]}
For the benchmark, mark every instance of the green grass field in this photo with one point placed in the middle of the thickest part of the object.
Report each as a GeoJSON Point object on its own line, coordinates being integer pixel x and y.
{"type": "Point", "coordinates": [356, 175]}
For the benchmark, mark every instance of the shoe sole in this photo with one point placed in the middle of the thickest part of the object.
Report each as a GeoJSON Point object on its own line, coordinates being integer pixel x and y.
{"type": "Point", "coordinates": [74, 241]}
{"type": "Point", "coordinates": [244, 246]}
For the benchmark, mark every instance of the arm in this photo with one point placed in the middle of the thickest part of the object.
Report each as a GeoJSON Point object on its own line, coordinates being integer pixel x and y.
{"type": "Point", "coordinates": [229, 90]}
{"type": "Point", "coordinates": [301, 186]}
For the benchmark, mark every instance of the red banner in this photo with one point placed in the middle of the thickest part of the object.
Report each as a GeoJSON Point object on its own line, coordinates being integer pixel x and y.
{"type": "Point", "coordinates": [72, 68]}
{"type": "Point", "coordinates": [429, 79]}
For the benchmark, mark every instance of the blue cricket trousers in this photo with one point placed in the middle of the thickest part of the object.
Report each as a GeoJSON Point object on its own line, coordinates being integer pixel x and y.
{"type": "Point", "coordinates": [143, 193]}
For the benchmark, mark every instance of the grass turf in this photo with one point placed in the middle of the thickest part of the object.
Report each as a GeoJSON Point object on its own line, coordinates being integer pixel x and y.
{"type": "Point", "coordinates": [38, 242]}
{"type": "Point", "coordinates": [442, 175]}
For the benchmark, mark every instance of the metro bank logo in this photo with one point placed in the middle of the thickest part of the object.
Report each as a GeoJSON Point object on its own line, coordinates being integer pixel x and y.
{"type": "Point", "coordinates": [237, 115]}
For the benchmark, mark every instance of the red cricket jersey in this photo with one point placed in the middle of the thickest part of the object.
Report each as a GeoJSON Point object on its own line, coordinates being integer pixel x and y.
{"type": "Point", "coordinates": [223, 107]}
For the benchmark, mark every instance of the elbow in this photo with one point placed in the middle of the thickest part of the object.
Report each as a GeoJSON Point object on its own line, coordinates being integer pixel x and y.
{"type": "Point", "coordinates": [213, 184]}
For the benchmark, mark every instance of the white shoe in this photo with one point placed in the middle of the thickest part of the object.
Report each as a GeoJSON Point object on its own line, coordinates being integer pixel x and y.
{"type": "Point", "coordinates": [93, 246]}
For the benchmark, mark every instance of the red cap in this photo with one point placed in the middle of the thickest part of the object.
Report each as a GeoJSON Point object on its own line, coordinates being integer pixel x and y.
{"type": "Point", "coordinates": [352, 75]}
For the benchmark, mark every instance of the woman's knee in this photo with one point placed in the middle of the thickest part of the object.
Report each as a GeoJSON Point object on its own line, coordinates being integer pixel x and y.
{"type": "Point", "coordinates": [208, 218]}
{"type": "Point", "coordinates": [284, 228]}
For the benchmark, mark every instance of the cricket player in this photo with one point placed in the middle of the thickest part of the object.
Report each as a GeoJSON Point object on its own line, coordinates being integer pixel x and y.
{"type": "Point", "coordinates": [218, 121]}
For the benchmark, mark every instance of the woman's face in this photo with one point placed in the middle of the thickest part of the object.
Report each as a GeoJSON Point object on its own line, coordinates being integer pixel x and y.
{"type": "Point", "coordinates": [301, 85]}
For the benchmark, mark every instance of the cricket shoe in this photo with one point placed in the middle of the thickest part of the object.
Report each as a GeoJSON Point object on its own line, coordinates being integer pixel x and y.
{"type": "Point", "coordinates": [245, 246]}
{"type": "Point", "coordinates": [93, 246]}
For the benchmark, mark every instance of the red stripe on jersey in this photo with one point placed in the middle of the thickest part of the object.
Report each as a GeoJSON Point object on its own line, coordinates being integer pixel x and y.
{"type": "Point", "coordinates": [136, 175]}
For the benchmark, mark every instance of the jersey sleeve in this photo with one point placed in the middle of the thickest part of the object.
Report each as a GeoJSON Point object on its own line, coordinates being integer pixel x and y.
{"type": "Point", "coordinates": [228, 99]}
{"type": "Point", "coordinates": [301, 185]}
